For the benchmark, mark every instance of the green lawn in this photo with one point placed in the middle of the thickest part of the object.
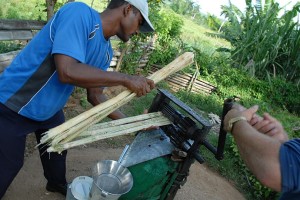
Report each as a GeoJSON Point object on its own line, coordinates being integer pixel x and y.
{"type": "Point", "coordinates": [199, 36]}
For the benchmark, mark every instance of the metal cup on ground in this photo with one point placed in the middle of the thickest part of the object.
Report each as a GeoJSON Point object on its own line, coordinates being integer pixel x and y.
{"type": "Point", "coordinates": [80, 188]}
{"type": "Point", "coordinates": [110, 180]}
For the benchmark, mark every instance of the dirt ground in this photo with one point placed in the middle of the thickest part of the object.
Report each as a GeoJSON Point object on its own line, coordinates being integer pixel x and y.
{"type": "Point", "coordinates": [202, 183]}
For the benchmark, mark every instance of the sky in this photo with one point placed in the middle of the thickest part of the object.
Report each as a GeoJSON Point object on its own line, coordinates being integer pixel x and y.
{"type": "Point", "coordinates": [214, 6]}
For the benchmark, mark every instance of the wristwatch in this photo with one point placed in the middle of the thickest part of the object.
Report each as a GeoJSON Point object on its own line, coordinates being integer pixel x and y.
{"type": "Point", "coordinates": [233, 120]}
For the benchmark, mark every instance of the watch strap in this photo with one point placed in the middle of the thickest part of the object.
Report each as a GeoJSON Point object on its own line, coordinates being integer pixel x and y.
{"type": "Point", "coordinates": [234, 120]}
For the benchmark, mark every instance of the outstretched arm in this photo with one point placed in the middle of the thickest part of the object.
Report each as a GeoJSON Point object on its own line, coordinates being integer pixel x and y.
{"type": "Point", "coordinates": [73, 72]}
{"type": "Point", "coordinates": [260, 152]}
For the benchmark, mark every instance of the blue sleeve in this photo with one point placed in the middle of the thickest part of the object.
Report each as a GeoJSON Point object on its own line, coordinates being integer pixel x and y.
{"type": "Point", "coordinates": [69, 30]}
{"type": "Point", "coordinates": [290, 166]}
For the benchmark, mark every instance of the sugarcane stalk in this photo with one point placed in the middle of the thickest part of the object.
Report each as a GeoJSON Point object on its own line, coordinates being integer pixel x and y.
{"type": "Point", "coordinates": [82, 117]}
{"type": "Point", "coordinates": [123, 121]}
{"type": "Point", "coordinates": [74, 131]}
{"type": "Point", "coordinates": [109, 132]}
{"type": "Point", "coordinates": [148, 122]}
{"type": "Point", "coordinates": [97, 113]}
{"type": "Point", "coordinates": [104, 126]}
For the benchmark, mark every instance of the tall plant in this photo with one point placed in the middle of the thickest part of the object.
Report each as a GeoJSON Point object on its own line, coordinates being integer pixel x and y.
{"type": "Point", "coordinates": [264, 44]}
{"type": "Point", "coordinates": [168, 43]}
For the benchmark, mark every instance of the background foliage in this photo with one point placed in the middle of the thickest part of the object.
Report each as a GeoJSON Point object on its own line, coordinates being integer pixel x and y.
{"type": "Point", "coordinates": [264, 43]}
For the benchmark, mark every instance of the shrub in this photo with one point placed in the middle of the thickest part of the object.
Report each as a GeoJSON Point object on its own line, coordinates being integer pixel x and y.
{"type": "Point", "coordinates": [7, 46]}
{"type": "Point", "coordinates": [264, 43]}
{"type": "Point", "coordinates": [168, 43]}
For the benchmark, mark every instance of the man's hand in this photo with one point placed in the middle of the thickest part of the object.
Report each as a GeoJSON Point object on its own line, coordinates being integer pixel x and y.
{"type": "Point", "coordinates": [271, 127]}
{"type": "Point", "coordinates": [139, 85]}
{"type": "Point", "coordinates": [255, 118]}
{"type": "Point", "coordinates": [239, 111]}
{"type": "Point", "coordinates": [267, 124]}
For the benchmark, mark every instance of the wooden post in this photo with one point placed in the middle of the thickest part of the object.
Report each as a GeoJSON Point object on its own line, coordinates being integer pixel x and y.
{"type": "Point", "coordinates": [193, 79]}
{"type": "Point", "coordinates": [118, 67]}
{"type": "Point", "coordinates": [50, 8]}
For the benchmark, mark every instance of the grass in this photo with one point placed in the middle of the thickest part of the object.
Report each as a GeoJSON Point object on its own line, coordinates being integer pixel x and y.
{"type": "Point", "coordinates": [201, 37]}
{"type": "Point", "coordinates": [7, 46]}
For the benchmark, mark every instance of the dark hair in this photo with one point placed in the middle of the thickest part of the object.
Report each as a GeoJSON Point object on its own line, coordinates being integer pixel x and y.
{"type": "Point", "coordinates": [117, 3]}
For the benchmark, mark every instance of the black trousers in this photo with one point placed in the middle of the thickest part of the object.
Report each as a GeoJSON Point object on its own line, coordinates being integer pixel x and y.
{"type": "Point", "coordinates": [13, 131]}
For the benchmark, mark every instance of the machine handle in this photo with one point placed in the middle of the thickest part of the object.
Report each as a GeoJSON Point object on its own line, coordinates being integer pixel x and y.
{"type": "Point", "coordinates": [209, 147]}
{"type": "Point", "coordinates": [198, 157]}
{"type": "Point", "coordinates": [222, 134]}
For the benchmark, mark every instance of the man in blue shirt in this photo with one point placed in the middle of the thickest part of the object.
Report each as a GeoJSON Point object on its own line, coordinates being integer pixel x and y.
{"type": "Point", "coordinates": [73, 49]}
{"type": "Point", "coordinates": [264, 146]}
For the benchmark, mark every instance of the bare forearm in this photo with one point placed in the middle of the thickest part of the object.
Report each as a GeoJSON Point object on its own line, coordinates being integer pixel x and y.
{"type": "Point", "coordinates": [96, 96]}
{"type": "Point", "coordinates": [71, 71]}
{"type": "Point", "coordinates": [260, 153]}
{"type": "Point", "coordinates": [88, 77]}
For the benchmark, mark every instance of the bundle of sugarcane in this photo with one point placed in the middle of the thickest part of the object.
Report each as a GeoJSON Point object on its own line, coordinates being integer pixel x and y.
{"type": "Point", "coordinates": [112, 129]}
{"type": "Point", "coordinates": [69, 130]}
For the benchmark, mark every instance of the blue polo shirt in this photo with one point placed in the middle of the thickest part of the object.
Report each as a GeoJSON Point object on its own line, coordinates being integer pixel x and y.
{"type": "Point", "coordinates": [30, 85]}
{"type": "Point", "coordinates": [290, 170]}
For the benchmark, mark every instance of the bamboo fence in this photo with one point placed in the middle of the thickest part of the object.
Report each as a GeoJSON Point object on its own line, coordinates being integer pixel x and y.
{"type": "Point", "coordinates": [187, 82]}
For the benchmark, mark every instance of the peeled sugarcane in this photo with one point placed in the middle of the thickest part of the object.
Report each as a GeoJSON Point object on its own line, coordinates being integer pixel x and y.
{"type": "Point", "coordinates": [104, 127]}
{"type": "Point", "coordinates": [73, 127]}
{"type": "Point", "coordinates": [127, 120]}
{"type": "Point", "coordinates": [117, 128]}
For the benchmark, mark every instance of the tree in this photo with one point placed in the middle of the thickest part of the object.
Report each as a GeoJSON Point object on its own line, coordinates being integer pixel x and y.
{"type": "Point", "coordinates": [50, 8]}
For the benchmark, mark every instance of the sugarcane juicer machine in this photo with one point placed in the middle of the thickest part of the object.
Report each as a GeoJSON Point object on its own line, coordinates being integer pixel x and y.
{"type": "Point", "coordinates": [159, 160]}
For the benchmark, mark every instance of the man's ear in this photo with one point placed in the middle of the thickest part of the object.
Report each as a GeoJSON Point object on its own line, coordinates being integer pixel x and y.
{"type": "Point", "coordinates": [127, 9]}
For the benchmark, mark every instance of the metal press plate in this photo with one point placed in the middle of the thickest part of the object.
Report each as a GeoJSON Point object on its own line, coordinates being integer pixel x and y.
{"type": "Point", "coordinates": [146, 146]}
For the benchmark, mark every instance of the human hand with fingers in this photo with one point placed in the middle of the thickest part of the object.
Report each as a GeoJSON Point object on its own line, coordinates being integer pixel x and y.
{"type": "Point", "coordinates": [139, 85]}
{"type": "Point", "coordinates": [241, 112]}
{"type": "Point", "coordinates": [271, 127]}
{"type": "Point", "coordinates": [267, 124]}
{"type": "Point", "coordinates": [255, 118]}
